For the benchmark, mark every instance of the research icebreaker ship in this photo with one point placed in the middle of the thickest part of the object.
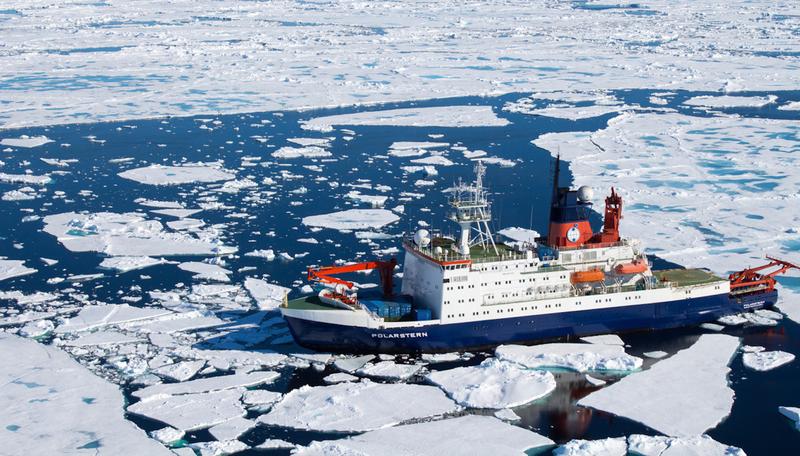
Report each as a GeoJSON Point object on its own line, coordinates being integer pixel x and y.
{"type": "Point", "coordinates": [475, 292]}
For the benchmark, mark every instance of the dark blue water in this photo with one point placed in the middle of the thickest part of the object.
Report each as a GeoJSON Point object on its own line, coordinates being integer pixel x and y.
{"type": "Point", "coordinates": [521, 196]}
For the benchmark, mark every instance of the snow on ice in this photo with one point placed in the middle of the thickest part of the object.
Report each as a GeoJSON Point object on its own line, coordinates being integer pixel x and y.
{"type": "Point", "coordinates": [493, 384]}
{"type": "Point", "coordinates": [693, 392]}
{"type": "Point", "coordinates": [54, 403]}
{"type": "Point", "coordinates": [476, 435]}
{"type": "Point", "coordinates": [177, 175]}
{"type": "Point", "coordinates": [357, 407]}
{"type": "Point", "coordinates": [13, 268]}
{"type": "Point", "coordinates": [766, 360]}
{"type": "Point", "coordinates": [440, 116]}
{"type": "Point", "coordinates": [26, 141]}
{"type": "Point", "coordinates": [579, 357]}
{"type": "Point", "coordinates": [128, 234]}
{"type": "Point", "coordinates": [352, 219]}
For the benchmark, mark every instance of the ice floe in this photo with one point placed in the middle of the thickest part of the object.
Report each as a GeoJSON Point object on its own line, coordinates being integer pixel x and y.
{"type": "Point", "coordinates": [26, 141]}
{"type": "Point", "coordinates": [579, 357]}
{"type": "Point", "coordinates": [44, 393]}
{"type": "Point", "coordinates": [693, 392]}
{"type": "Point", "coordinates": [30, 179]}
{"type": "Point", "coordinates": [268, 296]}
{"type": "Point", "coordinates": [703, 445]}
{"type": "Point", "coordinates": [493, 384]}
{"type": "Point", "coordinates": [188, 412]}
{"type": "Point", "coordinates": [91, 317]}
{"type": "Point", "coordinates": [128, 234]}
{"type": "Point", "coordinates": [130, 263]}
{"type": "Point", "coordinates": [352, 219]}
{"type": "Point", "coordinates": [389, 370]}
{"type": "Point", "coordinates": [177, 175]}
{"type": "Point", "coordinates": [13, 268]}
{"type": "Point", "coordinates": [476, 435]}
{"type": "Point", "coordinates": [440, 116]}
{"type": "Point", "coordinates": [793, 413]}
{"type": "Point", "coordinates": [766, 360]}
{"type": "Point", "coordinates": [301, 152]}
{"type": "Point", "coordinates": [604, 447]}
{"type": "Point", "coordinates": [730, 101]}
{"type": "Point", "coordinates": [357, 407]}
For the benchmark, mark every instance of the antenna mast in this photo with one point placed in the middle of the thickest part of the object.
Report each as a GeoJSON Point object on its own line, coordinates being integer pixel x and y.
{"type": "Point", "coordinates": [471, 205]}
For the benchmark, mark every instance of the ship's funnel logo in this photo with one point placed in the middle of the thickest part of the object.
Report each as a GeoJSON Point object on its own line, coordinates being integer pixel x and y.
{"type": "Point", "coordinates": [574, 233]}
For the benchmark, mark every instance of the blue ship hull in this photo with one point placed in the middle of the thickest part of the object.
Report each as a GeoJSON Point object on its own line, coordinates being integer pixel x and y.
{"type": "Point", "coordinates": [519, 330]}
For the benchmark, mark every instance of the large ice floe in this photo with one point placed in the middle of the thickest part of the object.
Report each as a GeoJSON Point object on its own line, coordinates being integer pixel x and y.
{"type": "Point", "coordinates": [357, 407]}
{"type": "Point", "coordinates": [766, 360]}
{"type": "Point", "coordinates": [129, 234]}
{"type": "Point", "coordinates": [53, 405]}
{"type": "Point", "coordinates": [26, 141]}
{"type": "Point", "coordinates": [682, 396]}
{"type": "Point", "coordinates": [352, 219]}
{"type": "Point", "coordinates": [377, 55]}
{"type": "Point", "coordinates": [463, 436]}
{"type": "Point", "coordinates": [177, 175]}
{"type": "Point", "coordinates": [646, 445]}
{"type": "Point", "coordinates": [578, 357]}
{"type": "Point", "coordinates": [493, 384]}
{"type": "Point", "coordinates": [441, 116]}
{"type": "Point", "coordinates": [13, 268]}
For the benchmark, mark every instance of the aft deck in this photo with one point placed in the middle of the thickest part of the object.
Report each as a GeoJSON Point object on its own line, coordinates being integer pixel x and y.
{"type": "Point", "coordinates": [686, 277]}
{"type": "Point", "coordinates": [311, 302]}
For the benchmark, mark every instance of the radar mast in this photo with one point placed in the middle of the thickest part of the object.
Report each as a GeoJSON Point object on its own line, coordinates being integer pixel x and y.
{"type": "Point", "coordinates": [471, 206]}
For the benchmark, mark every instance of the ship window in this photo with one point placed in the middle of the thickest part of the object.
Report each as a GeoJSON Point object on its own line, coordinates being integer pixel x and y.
{"type": "Point", "coordinates": [446, 281]}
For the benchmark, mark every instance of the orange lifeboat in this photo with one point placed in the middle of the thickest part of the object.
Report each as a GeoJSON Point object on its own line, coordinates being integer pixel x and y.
{"type": "Point", "coordinates": [636, 267]}
{"type": "Point", "coordinates": [595, 275]}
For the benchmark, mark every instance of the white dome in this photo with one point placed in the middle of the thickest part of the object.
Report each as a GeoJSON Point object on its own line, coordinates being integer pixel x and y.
{"type": "Point", "coordinates": [422, 238]}
{"type": "Point", "coordinates": [585, 193]}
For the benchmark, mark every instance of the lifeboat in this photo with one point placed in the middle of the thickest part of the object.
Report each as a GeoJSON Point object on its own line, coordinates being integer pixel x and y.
{"type": "Point", "coordinates": [595, 275]}
{"type": "Point", "coordinates": [337, 299]}
{"type": "Point", "coordinates": [636, 267]}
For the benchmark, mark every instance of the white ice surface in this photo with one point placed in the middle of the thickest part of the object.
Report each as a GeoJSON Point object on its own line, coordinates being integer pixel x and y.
{"type": "Point", "coordinates": [703, 445]}
{"type": "Point", "coordinates": [692, 390]}
{"type": "Point", "coordinates": [579, 357]}
{"type": "Point", "coordinates": [354, 53]}
{"type": "Point", "coordinates": [177, 175]}
{"type": "Point", "coordinates": [189, 412]}
{"type": "Point", "coordinates": [352, 219]}
{"type": "Point", "coordinates": [604, 339]}
{"type": "Point", "coordinates": [463, 436]}
{"type": "Point", "coordinates": [204, 385]}
{"type": "Point", "coordinates": [604, 447]}
{"type": "Point", "coordinates": [31, 179]}
{"type": "Point", "coordinates": [357, 407]}
{"type": "Point", "coordinates": [493, 384]}
{"type": "Point", "coordinates": [440, 116]}
{"type": "Point", "coordinates": [389, 370]}
{"type": "Point", "coordinates": [268, 296]}
{"type": "Point", "coordinates": [53, 405]}
{"type": "Point", "coordinates": [91, 317]}
{"type": "Point", "coordinates": [128, 234]}
{"type": "Point", "coordinates": [26, 141]}
{"type": "Point", "coordinates": [130, 263]}
{"type": "Point", "coordinates": [13, 268]}
{"type": "Point", "coordinates": [766, 360]}
{"type": "Point", "coordinates": [729, 101]}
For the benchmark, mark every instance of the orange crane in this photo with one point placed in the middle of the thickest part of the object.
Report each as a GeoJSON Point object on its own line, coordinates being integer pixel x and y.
{"type": "Point", "coordinates": [325, 274]}
{"type": "Point", "coordinates": [753, 278]}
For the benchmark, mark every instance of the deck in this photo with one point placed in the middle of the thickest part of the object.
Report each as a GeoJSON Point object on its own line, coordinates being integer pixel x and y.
{"type": "Point", "coordinates": [686, 277]}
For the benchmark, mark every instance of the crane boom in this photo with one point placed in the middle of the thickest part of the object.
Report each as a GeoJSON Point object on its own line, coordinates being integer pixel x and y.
{"type": "Point", "coordinates": [753, 277]}
{"type": "Point", "coordinates": [326, 274]}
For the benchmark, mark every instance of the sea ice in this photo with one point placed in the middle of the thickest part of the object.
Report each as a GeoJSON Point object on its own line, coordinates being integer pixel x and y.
{"type": "Point", "coordinates": [204, 385]}
{"type": "Point", "coordinates": [657, 354]}
{"type": "Point", "coordinates": [177, 175]}
{"type": "Point", "coordinates": [301, 152]}
{"type": "Point", "coordinates": [730, 101]}
{"type": "Point", "coordinates": [181, 371]}
{"type": "Point", "coordinates": [26, 141]}
{"type": "Point", "coordinates": [53, 405]}
{"type": "Point", "coordinates": [188, 412]}
{"type": "Point", "coordinates": [352, 219]}
{"type": "Point", "coordinates": [476, 435]}
{"type": "Point", "coordinates": [507, 415]}
{"type": "Point", "coordinates": [390, 370]}
{"type": "Point", "coordinates": [766, 360]}
{"type": "Point", "coordinates": [703, 445]}
{"type": "Point", "coordinates": [130, 263]}
{"type": "Point", "coordinates": [339, 377]}
{"type": "Point", "coordinates": [793, 413]}
{"type": "Point", "coordinates": [30, 179]}
{"type": "Point", "coordinates": [604, 339]}
{"type": "Point", "coordinates": [127, 234]}
{"type": "Point", "coordinates": [693, 392]}
{"type": "Point", "coordinates": [231, 429]}
{"type": "Point", "coordinates": [352, 363]}
{"type": "Point", "coordinates": [493, 384]}
{"type": "Point", "coordinates": [605, 447]}
{"type": "Point", "coordinates": [268, 296]}
{"type": "Point", "coordinates": [357, 407]}
{"type": "Point", "coordinates": [579, 357]}
{"type": "Point", "coordinates": [91, 317]}
{"type": "Point", "coordinates": [13, 268]}
{"type": "Point", "coordinates": [440, 116]}
{"type": "Point", "coordinates": [206, 271]}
